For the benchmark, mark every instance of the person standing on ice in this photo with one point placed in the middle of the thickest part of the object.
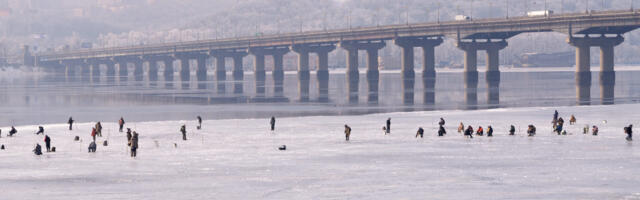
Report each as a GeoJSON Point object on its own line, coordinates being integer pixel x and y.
{"type": "Point", "coordinates": [469, 132]}
{"type": "Point", "coordinates": [13, 131]}
{"type": "Point", "coordinates": [134, 144]}
{"type": "Point", "coordinates": [121, 124]}
{"type": "Point", "coordinates": [629, 131]}
{"type": "Point", "coordinates": [70, 122]}
{"type": "Point", "coordinates": [388, 126]}
{"type": "Point", "coordinates": [93, 134]}
{"type": "Point", "coordinates": [441, 123]}
{"type": "Point", "coordinates": [512, 130]}
{"type": "Point", "coordinates": [47, 143]}
{"type": "Point", "coordinates": [460, 128]}
{"type": "Point", "coordinates": [441, 131]}
{"type": "Point", "coordinates": [99, 129]}
{"type": "Point", "coordinates": [347, 132]}
{"type": "Point", "coordinates": [129, 137]}
{"type": "Point", "coordinates": [489, 131]}
{"type": "Point", "coordinates": [555, 116]}
{"type": "Point", "coordinates": [183, 130]}
{"type": "Point", "coordinates": [40, 130]}
{"type": "Point", "coordinates": [272, 122]}
{"type": "Point", "coordinates": [420, 132]}
{"type": "Point", "coordinates": [594, 130]}
{"type": "Point", "coordinates": [199, 122]}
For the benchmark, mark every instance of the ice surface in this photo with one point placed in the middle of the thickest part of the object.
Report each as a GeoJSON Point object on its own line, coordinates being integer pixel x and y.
{"type": "Point", "coordinates": [239, 159]}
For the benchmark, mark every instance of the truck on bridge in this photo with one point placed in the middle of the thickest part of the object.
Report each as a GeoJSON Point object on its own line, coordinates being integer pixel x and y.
{"type": "Point", "coordinates": [540, 13]}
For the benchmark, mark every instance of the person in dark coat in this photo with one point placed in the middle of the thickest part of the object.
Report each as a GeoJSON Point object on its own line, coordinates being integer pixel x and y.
{"type": "Point", "coordinates": [489, 131]}
{"type": "Point", "coordinates": [273, 123]}
{"type": "Point", "coordinates": [70, 122]}
{"type": "Point", "coordinates": [388, 126]}
{"type": "Point", "coordinates": [99, 129]}
{"type": "Point", "coordinates": [129, 137]}
{"type": "Point", "coordinates": [512, 130]}
{"type": "Point", "coordinates": [420, 132]}
{"type": "Point", "coordinates": [93, 147]}
{"type": "Point", "coordinates": [555, 116]}
{"type": "Point", "coordinates": [469, 132]}
{"type": "Point", "coordinates": [47, 143]}
{"type": "Point", "coordinates": [183, 130]}
{"type": "Point", "coordinates": [559, 126]}
{"type": "Point", "coordinates": [40, 130]}
{"type": "Point", "coordinates": [531, 130]}
{"type": "Point", "coordinates": [441, 131]}
{"type": "Point", "coordinates": [199, 122]}
{"type": "Point", "coordinates": [594, 130]}
{"type": "Point", "coordinates": [629, 131]}
{"type": "Point", "coordinates": [347, 132]}
{"type": "Point", "coordinates": [121, 123]}
{"type": "Point", "coordinates": [13, 131]}
{"type": "Point", "coordinates": [441, 123]}
{"type": "Point", "coordinates": [134, 144]}
{"type": "Point", "coordinates": [37, 150]}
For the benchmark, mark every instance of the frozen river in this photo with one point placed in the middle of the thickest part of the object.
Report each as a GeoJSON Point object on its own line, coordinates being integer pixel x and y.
{"type": "Point", "coordinates": [238, 159]}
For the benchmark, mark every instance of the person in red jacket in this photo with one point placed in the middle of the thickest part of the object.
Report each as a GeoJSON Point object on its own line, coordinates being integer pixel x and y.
{"type": "Point", "coordinates": [93, 134]}
{"type": "Point", "coordinates": [480, 131]}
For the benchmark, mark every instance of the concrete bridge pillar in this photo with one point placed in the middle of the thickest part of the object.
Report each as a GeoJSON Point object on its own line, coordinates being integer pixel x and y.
{"type": "Point", "coordinates": [278, 74]}
{"type": "Point", "coordinates": [221, 74]}
{"type": "Point", "coordinates": [583, 66]}
{"type": "Point", "coordinates": [323, 71]}
{"type": "Point", "coordinates": [85, 72]}
{"type": "Point", "coordinates": [138, 72]}
{"type": "Point", "coordinates": [153, 72]}
{"type": "Point", "coordinates": [123, 71]}
{"type": "Point", "coordinates": [353, 75]}
{"type": "Point", "coordinates": [95, 71]}
{"type": "Point", "coordinates": [201, 72]}
{"type": "Point", "coordinates": [185, 72]}
{"type": "Point", "coordinates": [304, 76]}
{"type": "Point", "coordinates": [428, 45]}
{"type": "Point", "coordinates": [111, 71]}
{"type": "Point", "coordinates": [259, 73]}
{"type": "Point", "coordinates": [471, 70]}
{"type": "Point", "coordinates": [168, 72]}
{"type": "Point", "coordinates": [238, 73]}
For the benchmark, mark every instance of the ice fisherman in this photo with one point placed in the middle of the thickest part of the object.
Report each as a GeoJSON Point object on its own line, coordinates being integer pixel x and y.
{"type": "Point", "coordinates": [121, 124]}
{"type": "Point", "coordinates": [347, 132]}
{"type": "Point", "coordinates": [420, 132]}
{"type": "Point", "coordinates": [129, 135]}
{"type": "Point", "coordinates": [489, 131]}
{"type": "Point", "coordinates": [13, 131]}
{"type": "Point", "coordinates": [183, 130]}
{"type": "Point", "coordinates": [441, 123]}
{"type": "Point", "coordinates": [199, 122]}
{"type": "Point", "coordinates": [93, 134]}
{"type": "Point", "coordinates": [47, 143]}
{"type": "Point", "coordinates": [594, 130]}
{"type": "Point", "coordinates": [480, 131]}
{"type": "Point", "coordinates": [469, 132]}
{"type": "Point", "coordinates": [512, 130]}
{"type": "Point", "coordinates": [572, 120]}
{"type": "Point", "coordinates": [40, 130]}
{"type": "Point", "coordinates": [70, 122]}
{"type": "Point", "coordinates": [441, 131]}
{"type": "Point", "coordinates": [272, 122]}
{"type": "Point", "coordinates": [559, 126]}
{"type": "Point", "coordinates": [134, 144]}
{"type": "Point", "coordinates": [460, 128]}
{"type": "Point", "coordinates": [531, 130]}
{"type": "Point", "coordinates": [629, 131]}
{"type": "Point", "coordinates": [37, 150]}
{"type": "Point", "coordinates": [388, 126]}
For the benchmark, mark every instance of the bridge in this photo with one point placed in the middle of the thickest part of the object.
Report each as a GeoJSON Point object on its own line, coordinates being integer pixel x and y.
{"type": "Point", "coordinates": [584, 30]}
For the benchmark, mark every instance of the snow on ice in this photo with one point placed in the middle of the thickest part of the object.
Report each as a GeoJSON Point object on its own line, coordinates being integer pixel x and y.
{"type": "Point", "coordinates": [239, 159]}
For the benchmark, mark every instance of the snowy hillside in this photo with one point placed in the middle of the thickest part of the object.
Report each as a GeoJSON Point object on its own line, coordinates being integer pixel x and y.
{"type": "Point", "coordinates": [239, 159]}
